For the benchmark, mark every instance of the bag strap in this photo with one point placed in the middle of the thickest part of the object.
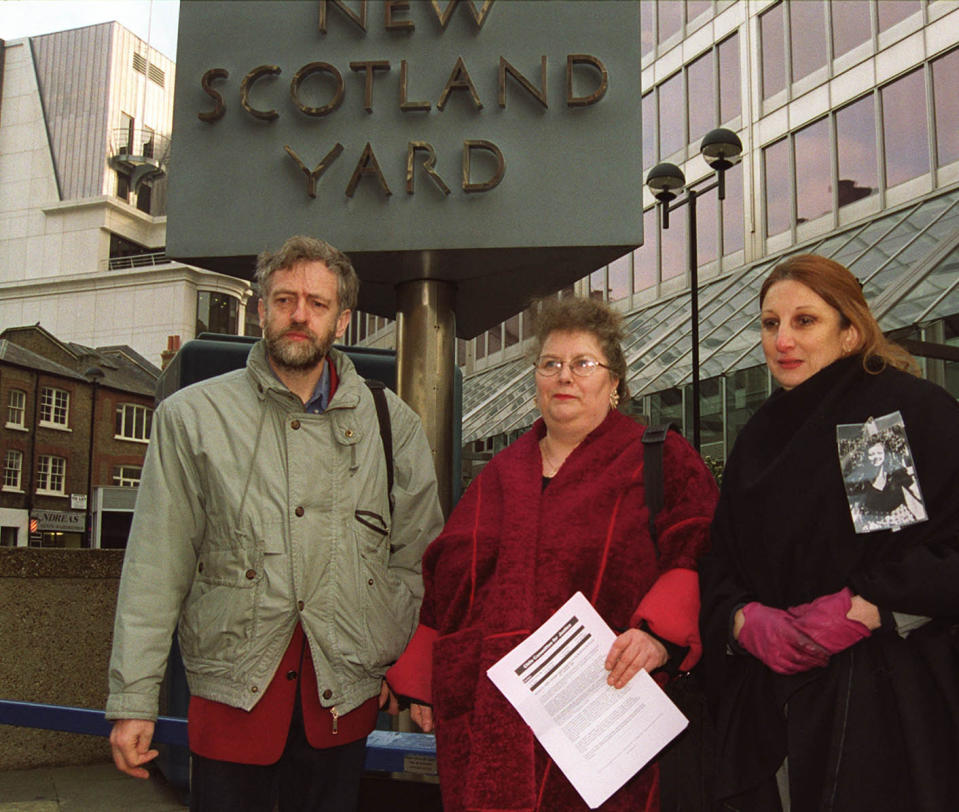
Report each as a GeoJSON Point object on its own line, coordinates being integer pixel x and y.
{"type": "Point", "coordinates": [378, 390]}
{"type": "Point", "coordinates": [654, 437]}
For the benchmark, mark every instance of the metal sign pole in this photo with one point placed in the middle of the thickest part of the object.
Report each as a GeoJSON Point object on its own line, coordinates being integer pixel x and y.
{"type": "Point", "coordinates": [425, 336]}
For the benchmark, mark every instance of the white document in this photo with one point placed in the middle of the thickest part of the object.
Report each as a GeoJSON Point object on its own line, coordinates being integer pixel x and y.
{"type": "Point", "coordinates": [599, 736]}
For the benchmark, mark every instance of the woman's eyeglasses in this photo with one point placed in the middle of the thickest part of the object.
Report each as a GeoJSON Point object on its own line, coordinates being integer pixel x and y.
{"type": "Point", "coordinates": [582, 366]}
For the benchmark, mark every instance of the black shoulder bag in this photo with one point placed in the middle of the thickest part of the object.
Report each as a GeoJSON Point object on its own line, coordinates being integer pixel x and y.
{"type": "Point", "coordinates": [686, 764]}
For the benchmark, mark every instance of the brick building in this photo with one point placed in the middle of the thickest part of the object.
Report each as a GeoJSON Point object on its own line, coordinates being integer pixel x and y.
{"type": "Point", "coordinates": [73, 439]}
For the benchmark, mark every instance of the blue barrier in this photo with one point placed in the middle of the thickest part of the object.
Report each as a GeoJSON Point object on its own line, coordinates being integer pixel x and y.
{"type": "Point", "coordinates": [386, 751]}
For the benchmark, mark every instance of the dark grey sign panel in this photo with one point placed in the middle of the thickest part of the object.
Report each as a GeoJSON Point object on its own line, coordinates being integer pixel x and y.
{"type": "Point", "coordinates": [494, 144]}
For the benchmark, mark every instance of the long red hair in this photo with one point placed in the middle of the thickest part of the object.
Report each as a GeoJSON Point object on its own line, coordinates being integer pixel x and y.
{"type": "Point", "coordinates": [836, 285]}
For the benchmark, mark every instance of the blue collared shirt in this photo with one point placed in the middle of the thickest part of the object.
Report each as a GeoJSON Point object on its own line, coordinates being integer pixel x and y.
{"type": "Point", "coordinates": [320, 398]}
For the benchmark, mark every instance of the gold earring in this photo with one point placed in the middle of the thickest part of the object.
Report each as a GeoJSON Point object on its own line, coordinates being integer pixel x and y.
{"type": "Point", "coordinates": [613, 399]}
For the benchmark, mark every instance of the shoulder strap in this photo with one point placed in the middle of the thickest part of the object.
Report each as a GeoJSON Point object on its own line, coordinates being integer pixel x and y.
{"type": "Point", "coordinates": [378, 390]}
{"type": "Point", "coordinates": [653, 439]}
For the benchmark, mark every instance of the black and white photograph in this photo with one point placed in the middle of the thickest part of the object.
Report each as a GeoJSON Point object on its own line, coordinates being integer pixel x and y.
{"type": "Point", "coordinates": [879, 475]}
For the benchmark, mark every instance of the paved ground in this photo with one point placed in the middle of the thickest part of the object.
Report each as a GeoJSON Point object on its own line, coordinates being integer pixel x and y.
{"type": "Point", "coordinates": [94, 788]}
{"type": "Point", "coordinates": [100, 788]}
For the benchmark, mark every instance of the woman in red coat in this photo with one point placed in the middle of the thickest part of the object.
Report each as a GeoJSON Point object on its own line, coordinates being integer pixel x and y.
{"type": "Point", "coordinates": [561, 510]}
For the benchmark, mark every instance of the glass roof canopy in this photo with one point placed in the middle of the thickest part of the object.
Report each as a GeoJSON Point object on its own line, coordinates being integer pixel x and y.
{"type": "Point", "coordinates": [907, 261]}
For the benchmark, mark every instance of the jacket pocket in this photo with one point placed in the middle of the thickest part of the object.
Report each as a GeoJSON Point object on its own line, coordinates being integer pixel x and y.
{"type": "Point", "coordinates": [219, 614]}
{"type": "Point", "coordinates": [388, 614]}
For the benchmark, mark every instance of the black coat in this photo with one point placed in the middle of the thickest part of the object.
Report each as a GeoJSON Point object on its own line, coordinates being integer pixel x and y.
{"type": "Point", "coordinates": [878, 727]}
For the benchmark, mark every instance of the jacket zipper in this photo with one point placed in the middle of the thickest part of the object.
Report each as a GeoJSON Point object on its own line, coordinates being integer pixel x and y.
{"type": "Point", "coordinates": [336, 716]}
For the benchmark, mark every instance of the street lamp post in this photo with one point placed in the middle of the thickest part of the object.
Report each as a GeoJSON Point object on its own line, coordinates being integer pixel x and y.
{"type": "Point", "coordinates": [93, 374]}
{"type": "Point", "coordinates": [719, 148]}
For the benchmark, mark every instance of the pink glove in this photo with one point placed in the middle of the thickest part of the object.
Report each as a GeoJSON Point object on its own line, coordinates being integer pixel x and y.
{"type": "Point", "coordinates": [825, 621]}
{"type": "Point", "coordinates": [770, 635]}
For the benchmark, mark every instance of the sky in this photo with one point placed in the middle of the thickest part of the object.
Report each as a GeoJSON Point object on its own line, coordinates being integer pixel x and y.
{"type": "Point", "coordinates": [154, 21]}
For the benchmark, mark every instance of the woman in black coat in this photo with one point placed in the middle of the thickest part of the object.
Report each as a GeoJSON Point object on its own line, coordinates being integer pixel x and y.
{"type": "Point", "coordinates": [831, 644]}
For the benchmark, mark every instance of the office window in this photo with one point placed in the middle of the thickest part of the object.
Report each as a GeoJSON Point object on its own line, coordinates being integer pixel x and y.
{"type": "Point", "coordinates": [8, 536]}
{"type": "Point", "coordinates": [125, 133]}
{"type": "Point", "coordinates": [904, 128]}
{"type": "Point", "coordinates": [16, 409]}
{"type": "Point", "coordinates": [670, 19]}
{"type": "Point", "coordinates": [51, 474]}
{"type": "Point", "coordinates": [494, 340]}
{"type": "Point", "coordinates": [944, 73]}
{"type": "Point", "coordinates": [730, 100]}
{"type": "Point", "coordinates": [807, 35]}
{"type": "Point", "coordinates": [688, 104]}
{"type": "Point", "coordinates": [710, 417]}
{"type": "Point", "coordinates": [127, 476]}
{"type": "Point", "coordinates": [666, 407]}
{"type": "Point", "coordinates": [672, 242]}
{"type": "Point", "coordinates": [895, 11]}
{"type": "Point", "coordinates": [650, 126]}
{"type": "Point", "coordinates": [479, 346]}
{"type": "Point", "coordinates": [597, 284]}
{"type": "Point", "coordinates": [746, 389]}
{"type": "Point", "coordinates": [777, 188]}
{"type": "Point", "coordinates": [647, 26]}
{"type": "Point", "coordinates": [851, 25]}
{"type": "Point", "coordinates": [12, 470]}
{"type": "Point", "coordinates": [216, 313]}
{"type": "Point", "coordinates": [148, 139]}
{"type": "Point", "coordinates": [707, 228]}
{"type": "Point", "coordinates": [133, 422]}
{"type": "Point", "coordinates": [774, 51]}
{"type": "Point", "coordinates": [617, 280]}
{"type": "Point", "coordinates": [856, 145]}
{"type": "Point", "coordinates": [696, 7]}
{"type": "Point", "coordinates": [701, 96]}
{"type": "Point", "coordinates": [644, 258]}
{"type": "Point", "coordinates": [54, 407]}
{"type": "Point", "coordinates": [733, 211]}
{"type": "Point", "coordinates": [813, 171]}
{"type": "Point", "coordinates": [672, 130]}
{"type": "Point", "coordinates": [511, 329]}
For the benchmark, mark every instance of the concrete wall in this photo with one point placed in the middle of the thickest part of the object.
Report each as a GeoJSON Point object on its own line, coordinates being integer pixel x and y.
{"type": "Point", "coordinates": [56, 626]}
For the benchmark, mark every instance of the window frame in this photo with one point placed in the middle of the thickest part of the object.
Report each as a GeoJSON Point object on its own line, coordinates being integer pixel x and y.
{"type": "Point", "coordinates": [22, 408]}
{"type": "Point", "coordinates": [122, 476]}
{"type": "Point", "coordinates": [127, 413]}
{"type": "Point", "coordinates": [50, 408]}
{"type": "Point", "coordinates": [10, 455]}
{"type": "Point", "coordinates": [51, 467]}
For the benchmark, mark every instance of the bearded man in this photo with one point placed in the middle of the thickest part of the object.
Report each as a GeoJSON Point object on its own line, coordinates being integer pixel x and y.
{"type": "Point", "coordinates": [265, 532]}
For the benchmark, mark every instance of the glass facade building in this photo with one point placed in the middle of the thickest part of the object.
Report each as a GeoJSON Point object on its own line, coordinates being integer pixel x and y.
{"type": "Point", "coordinates": [850, 126]}
{"type": "Point", "coordinates": [849, 121]}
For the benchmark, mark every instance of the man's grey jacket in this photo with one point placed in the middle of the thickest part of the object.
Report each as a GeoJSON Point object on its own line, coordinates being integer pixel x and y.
{"type": "Point", "coordinates": [253, 515]}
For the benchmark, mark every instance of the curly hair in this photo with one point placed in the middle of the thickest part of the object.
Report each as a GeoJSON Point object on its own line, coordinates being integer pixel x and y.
{"type": "Point", "coordinates": [573, 314]}
{"type": "Point", "coordinates": [308, 249]}
{"type": "Point", "coordinates": [836, 285]}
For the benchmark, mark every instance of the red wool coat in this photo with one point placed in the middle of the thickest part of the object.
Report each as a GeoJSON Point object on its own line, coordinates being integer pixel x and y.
{"type": "Point", "coordinates": [511, 554]}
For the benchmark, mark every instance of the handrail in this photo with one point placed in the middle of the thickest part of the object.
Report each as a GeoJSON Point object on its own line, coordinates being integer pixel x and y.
{"type": "Point", "coordinates": [169, 730]}
{"type": "Point", "coordinates": [386, 750]}
{"type": "Point", "coordinates": [138, 261]}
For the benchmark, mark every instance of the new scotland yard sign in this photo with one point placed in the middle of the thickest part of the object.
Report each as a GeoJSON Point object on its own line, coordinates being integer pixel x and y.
{"type": "Point", "coordinates": [496, 145]}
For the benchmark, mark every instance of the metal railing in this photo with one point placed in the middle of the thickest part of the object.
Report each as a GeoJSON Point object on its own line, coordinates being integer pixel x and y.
{"type": "Point", "coordinates": [386, 750]}
{"type": "Point", "coordinates": [137, 261]}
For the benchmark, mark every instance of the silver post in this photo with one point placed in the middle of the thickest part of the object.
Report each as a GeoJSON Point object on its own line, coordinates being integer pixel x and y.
{"type": "Point", "coordinates": [425, 336]}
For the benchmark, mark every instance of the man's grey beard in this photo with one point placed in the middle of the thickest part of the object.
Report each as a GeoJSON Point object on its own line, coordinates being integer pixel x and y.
{"type": "Point", "coordinates": [297, 356]}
